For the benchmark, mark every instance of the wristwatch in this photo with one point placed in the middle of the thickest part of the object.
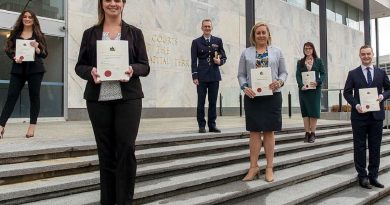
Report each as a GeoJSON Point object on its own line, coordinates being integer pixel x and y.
{"type": "Point", "coordinates": [281, 83]}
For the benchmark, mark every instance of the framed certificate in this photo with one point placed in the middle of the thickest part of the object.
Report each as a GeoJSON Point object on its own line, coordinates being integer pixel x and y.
{"type": "Point", "coordinates": [368, 99]}
{"type": "Point", "coordinates": [261, 78]}
{"type": "Point", "coordinates": [24, 50]}
{"type": "Point", "coordinates": [307, 77]}
{"type": "Point", "coordinates": [112, 59]}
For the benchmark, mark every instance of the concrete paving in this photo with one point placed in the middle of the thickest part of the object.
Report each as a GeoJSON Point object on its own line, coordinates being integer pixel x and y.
{"type": "Point", "coordinates": [83, 130]}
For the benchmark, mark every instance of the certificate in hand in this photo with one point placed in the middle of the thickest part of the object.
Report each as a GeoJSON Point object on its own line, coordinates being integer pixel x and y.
{"type": "Point", "coordinates": [24, 50]}
{"type": "Point", "coordinates": [261, 78]}
{"type": "Point", "coordinates": [307, 77]}
{"type": "Point", "coordinates": [112, 59]}
{"type": "Point", "coordinates": [368, 99]}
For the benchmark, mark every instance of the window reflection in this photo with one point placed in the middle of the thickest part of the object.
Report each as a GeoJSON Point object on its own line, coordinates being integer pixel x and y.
{"type": "Point", "coordinates": [46, 8]}
{"type": "Point", "coordinates": [52, 89]}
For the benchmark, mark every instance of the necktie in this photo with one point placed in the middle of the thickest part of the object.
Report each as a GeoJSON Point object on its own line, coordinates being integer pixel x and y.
{"type": "Point", "coordinates": [207, 40]}
{"type": "Point", "coordinates": [369, 78]}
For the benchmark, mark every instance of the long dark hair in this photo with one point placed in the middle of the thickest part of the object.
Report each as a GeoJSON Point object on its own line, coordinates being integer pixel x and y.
{"type": "Point", "coordinates": [101, 16]}
{"type": "Point", "coordinates": [18, 29]}
{"type": "Point", "coordinates": [308, 44]}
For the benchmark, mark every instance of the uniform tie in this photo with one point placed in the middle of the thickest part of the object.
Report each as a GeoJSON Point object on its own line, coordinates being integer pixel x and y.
{"type": "Point", "coordinates": [369, 78]}
{"type": "Point", "coordinates": [207, 40]}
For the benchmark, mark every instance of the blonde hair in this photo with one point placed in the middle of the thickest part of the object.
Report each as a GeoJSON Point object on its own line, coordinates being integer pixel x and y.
{"type": "Point", "coordinates": [253, 31]}
{"type": "Point", "coordinates": [101, 15]}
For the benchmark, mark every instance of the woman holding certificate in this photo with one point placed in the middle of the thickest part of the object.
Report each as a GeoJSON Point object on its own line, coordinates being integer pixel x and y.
{"type": "Point", "coordinates": [114, 101]}
{"type": "Point", "coordinates": [26, 47]}
{"type": "Point", "coordinates": [310, 75]}
{"type": "Point", "coordinates": [261, 74]}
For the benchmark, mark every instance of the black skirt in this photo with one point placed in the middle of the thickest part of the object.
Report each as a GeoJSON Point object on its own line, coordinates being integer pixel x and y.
{"type": "Point", "coordinates": [263, 113]}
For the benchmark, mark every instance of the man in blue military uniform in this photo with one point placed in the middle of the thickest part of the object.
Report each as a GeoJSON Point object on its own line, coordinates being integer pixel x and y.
{"type": "Point", "coordinates": [207, 54]}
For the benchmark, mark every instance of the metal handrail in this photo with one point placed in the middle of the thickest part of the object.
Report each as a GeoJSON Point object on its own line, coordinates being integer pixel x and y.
{"type": "Point", "coordinates": [340, 95]}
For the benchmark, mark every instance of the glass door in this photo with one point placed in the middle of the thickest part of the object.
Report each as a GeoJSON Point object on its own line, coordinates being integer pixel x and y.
{"type": "Point", "coordinates": [51, 17]}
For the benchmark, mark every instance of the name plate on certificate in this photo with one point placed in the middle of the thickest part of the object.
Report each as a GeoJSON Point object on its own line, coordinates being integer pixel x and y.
{"type": "Point", "coordinates": [307, 77]}
{"type": "Point", "coordinates": [261, 78]}
{"type": "Point", "coordinates": [112, 59]}
{"type": "Point", "coordinates": [24, 50]}
{"type": "Point", "coordinates": [368, 99]}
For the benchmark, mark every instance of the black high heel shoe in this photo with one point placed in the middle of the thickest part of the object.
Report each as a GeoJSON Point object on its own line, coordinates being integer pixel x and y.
{"type": "Point", "coordinates": [29, 136]}
{"type": "Point", "coordinates": [2, 133]}
{"type": "Point", "coordinates": [307, 136]}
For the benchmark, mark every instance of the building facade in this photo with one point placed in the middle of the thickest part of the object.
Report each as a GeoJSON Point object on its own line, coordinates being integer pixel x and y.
{"type": "Point", "coordinates": [169, 26]}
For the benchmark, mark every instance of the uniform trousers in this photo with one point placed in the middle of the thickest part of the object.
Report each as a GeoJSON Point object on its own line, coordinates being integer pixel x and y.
{"type": "Point", "coordinates": [212, 88]}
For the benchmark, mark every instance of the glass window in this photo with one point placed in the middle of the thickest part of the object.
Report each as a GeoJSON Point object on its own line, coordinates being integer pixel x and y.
{"type": "Point", "coordinates": [353, 18]}
{"type": "Point", "coordinates": [46, 8]}
{"type": "Point", "coordinates": [341, 12]}
{"type": "Point", "coordinates": [330, 14]}
{"type": "Point", "coordinates": [52, 89]}
{"type": "Point", "coordinates": [298, 3]}
{"type": "Point", "coordinates": [315, 8]}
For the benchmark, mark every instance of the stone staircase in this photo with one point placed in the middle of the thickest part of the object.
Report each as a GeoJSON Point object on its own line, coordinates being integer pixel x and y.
{"type": "Point", "coordinates": [197, 169]}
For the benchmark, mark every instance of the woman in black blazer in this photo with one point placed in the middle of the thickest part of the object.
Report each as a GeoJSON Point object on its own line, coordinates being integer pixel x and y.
{"type": "Point", "coordinates": [114, 107]}
{"type": "Point", "coordinates": [26, 28]}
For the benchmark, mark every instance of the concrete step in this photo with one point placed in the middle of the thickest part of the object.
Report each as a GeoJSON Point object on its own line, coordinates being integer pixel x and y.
{"type": "Point", "coordinates": [85, 198]}
{"type": "Point", "coordinates": [356, 195]}
{"type": "Point", "coordinates": [159, 140]}
{"type": "Point", "coordinates": [19, 172]}
{"type": "Point", "coordinates": [222, 194]}
{"type": "Point", "coordinates": [39, 149]}
{"type": "Point", "coordinates": [56, 186]}
{"type": "Point", "coordinates": [200, 149]}
{"type": "Point", "coordinates": [28, 171]}
{"type": "Point", "coordinates": [308, 192]}
{"type": "Point", "coordinates": [164, 187]}
{"type": "Point", "coordinates": [180, 165]}
{"type": "Point", "coordinates": [383, 201]}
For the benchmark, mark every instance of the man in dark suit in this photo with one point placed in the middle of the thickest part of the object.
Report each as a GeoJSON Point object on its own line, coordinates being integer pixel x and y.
{"type": "Point", "coordinates": [207, 54]}
{"type": "Point", "coordinates": [367, 126]}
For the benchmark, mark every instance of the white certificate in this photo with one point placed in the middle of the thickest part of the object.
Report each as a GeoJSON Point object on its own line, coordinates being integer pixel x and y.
{"type": "Point", "coordinates": [261, 78]}
{"type": "Point", "coordinates": [307, 77]}
{"type": "Point", "coordinates": [368, 99]}
{"type": "Point", "coordinates": [24, 50]}
{"type": "Point", "coordinates": [112, 59]}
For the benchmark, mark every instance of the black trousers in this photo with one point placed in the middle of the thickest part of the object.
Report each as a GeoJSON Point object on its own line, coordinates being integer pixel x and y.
{"type": "Point", "coordinates": [367, 131]}
{"type": "Point", "coordinates": [212, 88]}
{"type": "Point", "coordinates": [16, 84]}
{"type": "Point", "coordinates": [115, 125]}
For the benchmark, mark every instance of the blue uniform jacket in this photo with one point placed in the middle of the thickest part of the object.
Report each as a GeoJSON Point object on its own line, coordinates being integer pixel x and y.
{"type": "Point", "coordinates": [202, 64]}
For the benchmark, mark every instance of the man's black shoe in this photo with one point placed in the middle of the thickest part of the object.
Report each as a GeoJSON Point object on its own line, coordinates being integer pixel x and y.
{"type": "Point", "coordinates": [375, 183]}
{"type": "Point", "coordinates": [214, 129]}
{"type": "Point", "coordinates": [202, 130]}
{"type": "Point", "coordinates": [363, 182]}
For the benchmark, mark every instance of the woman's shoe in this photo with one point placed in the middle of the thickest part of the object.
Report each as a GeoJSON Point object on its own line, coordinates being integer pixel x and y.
{"type": "Point", "coordinates": [312, 137]}
{"type": "Point", "coordinates": [307, 136]}
{"type": "Point", "coordinates": [2, 133]}
{"type": "Point", "coordinates": [269, 174]}
{"type": "Point", "coordinates": [29, 136]}
{"type": "Point", "coordinates": [253, 173]}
